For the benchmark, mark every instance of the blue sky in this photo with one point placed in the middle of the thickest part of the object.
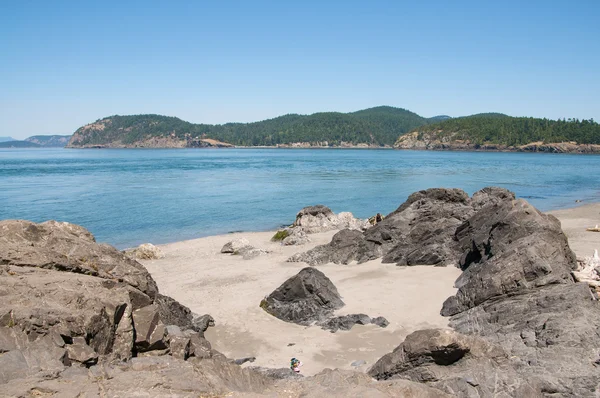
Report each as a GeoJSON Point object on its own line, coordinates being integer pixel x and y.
{"type": "Point", "coordinates": [64, 64]}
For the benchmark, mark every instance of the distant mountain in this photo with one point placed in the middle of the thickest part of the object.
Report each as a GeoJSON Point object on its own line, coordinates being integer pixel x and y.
{"type": "Point", "coordinates": [439, 118]}
{"type": "Point", "coordinates": [50, 140]}
{"type": "Point", "coordinates": [379, 126]}
{"type": "Point", "coordinates": [3, 139]}
{"type": "Point", "coordinates": [496, 131]}
{"type": "Point", "coordinates": [18, 144]}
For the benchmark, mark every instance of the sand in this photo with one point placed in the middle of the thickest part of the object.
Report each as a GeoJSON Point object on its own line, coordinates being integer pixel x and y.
{"type": "Point", "coordinates": [574, 223]}
{"type": "Point", "coordinates": [230, 289]}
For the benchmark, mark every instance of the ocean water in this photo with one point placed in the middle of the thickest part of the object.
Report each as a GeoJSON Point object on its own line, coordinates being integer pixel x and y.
{"type": "Point", "coordinates": [130, 196]}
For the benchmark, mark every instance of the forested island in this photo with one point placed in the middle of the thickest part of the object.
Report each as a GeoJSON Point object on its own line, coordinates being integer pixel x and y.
{"type": "Point", "coordinates": [382, 126]}
{"type": "Point", "coordinates": [496, 131]}
{"type": "Point", "coordinates": [375, 127]}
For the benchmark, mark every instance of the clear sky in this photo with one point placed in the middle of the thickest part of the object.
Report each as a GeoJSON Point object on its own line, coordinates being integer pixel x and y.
{"type": "Point", "coordinates": [67, 63]}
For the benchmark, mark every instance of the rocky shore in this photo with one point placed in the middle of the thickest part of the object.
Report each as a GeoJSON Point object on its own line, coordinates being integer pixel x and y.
{"type": "Point", "coordinates": [433, 142]}
{"type": "Point", "coordinates": [78, 318]}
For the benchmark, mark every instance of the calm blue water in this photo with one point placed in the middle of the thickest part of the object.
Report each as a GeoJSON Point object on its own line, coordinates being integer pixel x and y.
{"type": "Point", "coordinates": [127, 197]}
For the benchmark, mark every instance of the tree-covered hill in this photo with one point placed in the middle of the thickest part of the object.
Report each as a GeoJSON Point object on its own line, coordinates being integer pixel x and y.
{"type": "Point", "coordinates": [500, 129]}
{"type": "Point", "coordinates": [378, 126]}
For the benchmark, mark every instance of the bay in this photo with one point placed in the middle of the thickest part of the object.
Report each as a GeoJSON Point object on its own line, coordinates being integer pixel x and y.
{"type": "Point", "coordinates": [130, 196]}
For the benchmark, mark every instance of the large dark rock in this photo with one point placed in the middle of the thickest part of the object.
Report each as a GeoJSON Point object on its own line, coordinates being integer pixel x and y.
{"type": "Point", "coordinates": [509, 247]}
{"type": "Point", "coordinates": [522, 326]}
{"type": "Point", "coordinates": [304, 298]}
{"type": "Point", "coordinates": [420, 232]}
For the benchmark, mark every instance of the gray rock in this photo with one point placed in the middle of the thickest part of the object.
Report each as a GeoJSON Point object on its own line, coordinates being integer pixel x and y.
{"type": "Point", "coordinates": [242, 361]}
{"type": "Point", "coordinates": [509, 247]}
{"type": "Point", "coordinates": [80, 352]}
{"type": "Point", "coordinates": [358, 363]}
{"type": "Point", "coordinates": [420, 232]}
{"type": "Point", "coordinates": [180, 344]}
{"type": "Point", "coordinates": [171, 312]}
{"type": "Point", "coordinates": [345, 322]}
{"type": "Point", "coordinates": [319, 218]}
{"type": "Point", "coordinates": [67, 247]}
{"type": "Point", "coordinates": [343, 249]}
{"type": "Point", "coordinates": [380, 321]}
{"type": "Point", "coordinates": [233, 247]}
{"type": "Point", "coordinates": [150, 332]}
{"type": "Point", "coordinates": [201, 323]}
{"type": "Point", "coordinates": [304, 298]}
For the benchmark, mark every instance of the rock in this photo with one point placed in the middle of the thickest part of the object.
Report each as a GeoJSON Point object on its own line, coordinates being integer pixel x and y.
{"type": "Point", "coordinates": [345, 322]}
{"type": "Point", "coordinates": [249, 253]}
{"type": "Point", "coordinates": [235, 245]}
{"type": "Point", "coordinates": [319, 218]}
{"type": "Point", "coordinates": [380, 321]}
{"type": "Point", "coordinates": [346, 383]}
{"type": "Point", "coordinates": [343, 249]}
{"type": "Point", "coordinates": [201, 323]}
{"type": "Point", "coordinates": [171, 312]}
{"type": "Point", "coordinates": [242, 248]}
{"type": "Point", "coordinates": [304, 298]}
{"type": "Point", "coordinates": [431, 346]}
{"type": "Point", "coordinates": [179, 343]}
{"type": "Point", "coordinates": [420, 232]}
{"type": "Point", "coordinates": [295, 237]}
{"type": "Point", "coordinates": [145, 251]}
{"type": "Point", "coordinates": [200, 347]}
{"type": "Point", "coordinates": [522, 326]}
{"type": "Point", "coordinates": [80, 352]}
{"type": "Point", "coordinates": [358, 363]}
{"type": "Point", "coordinates": [150, 331]}
{"type": "Point", "coordinates": [242, 361]}
{"type": "Point", "coordinates": [509, 247]}
{"type": "Point", "coordinates": [67, 247]}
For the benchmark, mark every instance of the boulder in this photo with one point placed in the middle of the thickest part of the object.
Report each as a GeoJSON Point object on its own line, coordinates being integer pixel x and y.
{"type": "Point", "coordinates": [233, 247]}
{"type": "Point", "coordinates": [145, 251]}
{"type": "Point", "coordinates": [509, 247]}
{"type": "Point", "coordinates": [304, 298]}
{"type": "Point", "coordinates": [241, 247]}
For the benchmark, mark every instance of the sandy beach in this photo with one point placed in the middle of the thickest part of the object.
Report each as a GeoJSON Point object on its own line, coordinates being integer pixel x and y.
{"type": "Point", "coordinates": [231, 288]}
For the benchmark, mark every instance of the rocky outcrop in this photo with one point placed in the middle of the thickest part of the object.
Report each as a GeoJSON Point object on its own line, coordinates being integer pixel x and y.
{"type": "Point", "coordinates": [69, 302]}
{"type": "Point", "coordinates": [522, 326]}
{"type": "Point", "coordinates": [448, 141]}
{"type": "Point", "coordinates": [420, 232]}
{"type": "Point", "coordinates": [304, 298]}
{"type": "Point", "coordinates": [507, 248]}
